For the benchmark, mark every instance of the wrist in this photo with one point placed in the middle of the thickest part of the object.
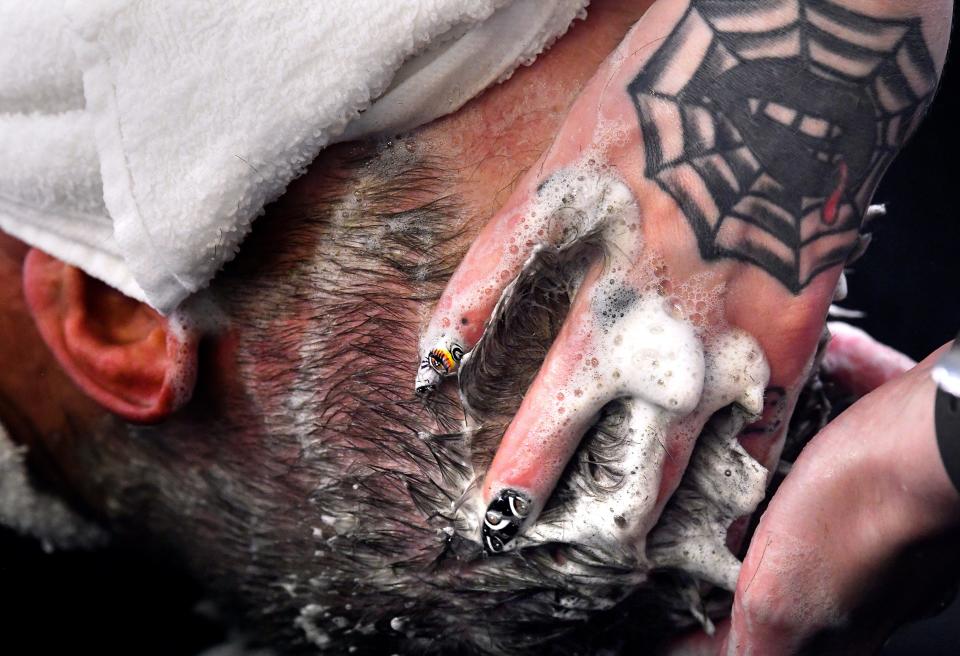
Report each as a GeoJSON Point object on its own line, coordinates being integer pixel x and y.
{"type": "Point", "coordinates": [917, 463]}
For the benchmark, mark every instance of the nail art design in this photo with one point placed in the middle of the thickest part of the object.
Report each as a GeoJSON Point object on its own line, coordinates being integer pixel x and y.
{"type": "Point", "coordinates": [503, 520]}
{"type": "Point", "coordinates": [439, 363]}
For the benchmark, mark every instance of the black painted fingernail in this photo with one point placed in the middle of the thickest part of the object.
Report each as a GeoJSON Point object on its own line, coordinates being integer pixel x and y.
{"type": "Point", "coordinates": [504, 518]}
{"type": "Point", "coordinates": [425, 390]}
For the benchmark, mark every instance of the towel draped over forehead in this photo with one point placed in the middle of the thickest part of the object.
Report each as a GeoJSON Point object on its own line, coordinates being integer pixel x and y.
{"type": "Point", "coordinates": [139, 138]}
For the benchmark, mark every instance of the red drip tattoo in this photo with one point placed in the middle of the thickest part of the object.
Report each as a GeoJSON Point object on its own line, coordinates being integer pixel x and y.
{"type": "Point", "coordinates": [829, 213]}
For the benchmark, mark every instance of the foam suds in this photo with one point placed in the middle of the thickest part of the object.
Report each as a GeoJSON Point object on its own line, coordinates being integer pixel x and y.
{"type": "Point", "coordinates": [35, 513]}
{"type": "Point", "coordinates": [661, 349]}
{"type": "Point", "coordinates": [572, 203]}
{"type": "Point", "coordinates": [671, 384]}
{"type": "Point", "coordinates": [648, 342]}
{"type": "Point", "coordinates": [656, 363]}
{"type": "Point", "coordinates": [721, 484]}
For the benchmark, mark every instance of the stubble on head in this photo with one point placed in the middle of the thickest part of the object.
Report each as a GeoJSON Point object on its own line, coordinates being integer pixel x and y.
{"type": "Point", "coordinates": [308, 486]}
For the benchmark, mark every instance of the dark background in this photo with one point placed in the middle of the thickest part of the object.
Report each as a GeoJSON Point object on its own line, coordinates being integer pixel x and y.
{"type": "Point", "coordinates": [117, 602]}
{"type": "Point", "coordinates": [909, 281]}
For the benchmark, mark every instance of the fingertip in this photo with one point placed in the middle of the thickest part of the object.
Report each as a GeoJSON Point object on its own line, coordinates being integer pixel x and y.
{"type": "Point", "coordinates": [529, 462]}
{"type": "Point", "coordinates": [441, 361]}
{"type": "Point", "coordinates": [504, 519]}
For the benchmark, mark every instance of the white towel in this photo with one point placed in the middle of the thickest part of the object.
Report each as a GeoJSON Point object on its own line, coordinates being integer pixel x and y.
{"type": "Point", "coordinates": [140, 138]}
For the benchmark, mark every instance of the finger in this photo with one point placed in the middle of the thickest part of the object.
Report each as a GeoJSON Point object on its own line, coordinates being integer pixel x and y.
{"type": "Point", "coordinates": [558, 407]}
{"type": "Point", "coordinates": [789, 575]}
{"type": "Point", "coordinates": [568, 205]}
{"type": "Point", "coordinates": [743, 637]}
{"type": "Point", "coordinates": [784, 593]}
{"type": "Point", "coordinates": [631, 483]}
{"type": "Point", "coordinates": [860, 363]}
{"type": "Point", "coordinates": [686, 527]}
{"type": "Point", "coordinates": [721, 484]}
{"type": "Point", "coordinates": [645, 352]}
{"type": "Point", "coordinates": [493, 260]}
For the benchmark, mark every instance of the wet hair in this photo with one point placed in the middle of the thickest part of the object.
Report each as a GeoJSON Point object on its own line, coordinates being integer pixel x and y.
{"type": "Point", "coordinates": [309, 487]}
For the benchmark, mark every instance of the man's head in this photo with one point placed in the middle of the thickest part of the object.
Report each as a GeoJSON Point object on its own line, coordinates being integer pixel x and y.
{"type": "Point", "coordinates": [305, 476]}
{"type": "Point", "coordinates": [301, 479]}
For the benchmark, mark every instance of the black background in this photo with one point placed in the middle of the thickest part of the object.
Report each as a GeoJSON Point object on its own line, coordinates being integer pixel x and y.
{"type": "Point", "coordinates": [117, 602]}
{"type": "Point", "coordinates": [909, 281]}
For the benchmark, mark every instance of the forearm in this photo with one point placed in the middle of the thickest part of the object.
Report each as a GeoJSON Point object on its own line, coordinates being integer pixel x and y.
{"type": "Point", "coordinates": [841, 535]}
{"type": "Point", "coordinates": [915, 454]}
{"type": "Point", "coordinates": [903, 436]}
{"type": "Point", "coordinates": [889, 436]}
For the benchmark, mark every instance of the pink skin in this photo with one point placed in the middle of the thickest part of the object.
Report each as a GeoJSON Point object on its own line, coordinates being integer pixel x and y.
{"type": "Point", "coordinates": [869, 487]}
{"type": "Point", "coordinates": [787, 326]}
{"type": "Point", "coordinates": [860, 363]}
{"type": "Point", "coordinates": [601, 126]}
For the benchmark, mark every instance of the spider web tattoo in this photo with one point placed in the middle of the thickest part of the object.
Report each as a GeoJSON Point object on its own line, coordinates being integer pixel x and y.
{"type": "Point", "coordinates": [770, 123]}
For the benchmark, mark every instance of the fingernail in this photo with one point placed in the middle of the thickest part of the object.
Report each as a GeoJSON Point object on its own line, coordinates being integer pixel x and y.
{"type": "Point", "coordinates": [427, 380]}
{"type": "Point", "coordinates": [438, 363]}
{"type": "Point", "coordinates": [752, 400]}
{"type": "Point", "coordinates": [504, 519]}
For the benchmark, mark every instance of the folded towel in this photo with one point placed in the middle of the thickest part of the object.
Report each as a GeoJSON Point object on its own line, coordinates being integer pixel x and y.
{"type": "Point", "coordinates": [140, 138]}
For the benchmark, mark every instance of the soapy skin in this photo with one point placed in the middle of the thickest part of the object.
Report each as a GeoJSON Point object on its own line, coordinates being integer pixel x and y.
{"type": "Point", "coordinates": [671, 401]}
{"type": "Point", "coordinates": [669, 357]}
{"type": "Point", "coordinates": [625, 339]}
{"type": "Point", "coordinates": [597, 176]}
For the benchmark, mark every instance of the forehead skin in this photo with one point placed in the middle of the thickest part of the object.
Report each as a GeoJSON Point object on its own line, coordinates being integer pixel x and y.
{"type": "Point", "coordinates": [499, 135]}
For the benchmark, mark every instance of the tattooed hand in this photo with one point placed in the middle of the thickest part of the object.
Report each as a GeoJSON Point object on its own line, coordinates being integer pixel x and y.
{"type": "Point", "coordinates": [722, 159]}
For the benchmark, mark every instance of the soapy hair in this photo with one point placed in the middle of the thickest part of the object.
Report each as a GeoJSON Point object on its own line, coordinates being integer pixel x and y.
{"type": "Point", "coordinates": [312, 490]}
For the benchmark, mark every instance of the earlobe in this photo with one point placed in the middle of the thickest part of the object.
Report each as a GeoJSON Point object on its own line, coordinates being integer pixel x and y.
{"type": "Point", "coordinates": [119, 351]}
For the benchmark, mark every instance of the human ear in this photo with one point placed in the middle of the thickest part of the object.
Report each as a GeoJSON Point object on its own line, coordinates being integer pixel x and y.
{"type": "Point", "coordinates": [119, 351]}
